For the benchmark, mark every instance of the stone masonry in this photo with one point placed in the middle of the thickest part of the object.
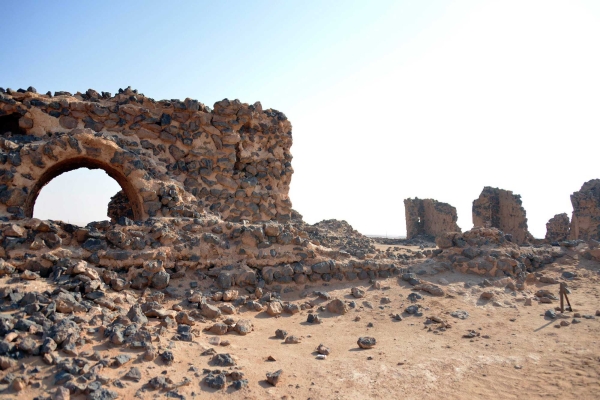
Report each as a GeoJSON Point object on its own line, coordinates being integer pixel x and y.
{"type": "Point", "coordinates": [119, 207]}
{"type": "Point", "coordinates": [204, 192]}
{"type": "Point", "coordinates": [501, 209]}
{"type": "Point", "coordinates": [429, 217]}
{"type": "Point", "coordinates": [171, 157]}
{"type": "Point", "coordinates": [557, 228]}
{"type": "Point", "coordinates": [585, 222]}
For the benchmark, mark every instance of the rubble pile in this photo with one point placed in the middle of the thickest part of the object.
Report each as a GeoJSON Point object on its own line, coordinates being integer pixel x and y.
{"type": "Point", "coordinates": [340, 235]}
{"type": "Point", "coordinates": [490, 252]}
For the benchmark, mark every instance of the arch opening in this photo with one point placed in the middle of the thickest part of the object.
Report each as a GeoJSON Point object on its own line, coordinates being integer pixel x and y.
{"type": "Point", "coordinates": [128, 192]}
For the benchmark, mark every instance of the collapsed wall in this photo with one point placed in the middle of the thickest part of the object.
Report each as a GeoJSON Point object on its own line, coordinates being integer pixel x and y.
{"type": "Point", "coordinates": [557, 228]}
{"type": "Point", "coordinates": [585, 222]}
{"type": "Point", "coordinates": [501, 209]}
{"type": "Point", "coordinates": [429, 217]}
{"type": "Point", "coordinates": [487, 252]}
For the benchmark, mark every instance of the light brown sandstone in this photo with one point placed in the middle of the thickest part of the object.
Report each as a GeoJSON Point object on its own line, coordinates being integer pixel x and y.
{"type": "Point", "coordinates": [429, 217]}
{"type": "Point", "coordinates": [501, 209]}
{"type": "Point", "coordinates": [585, 222]}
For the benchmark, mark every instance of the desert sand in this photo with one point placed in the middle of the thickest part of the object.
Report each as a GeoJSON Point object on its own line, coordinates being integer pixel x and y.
{"type": "Point", "coordinates": [516, 351]}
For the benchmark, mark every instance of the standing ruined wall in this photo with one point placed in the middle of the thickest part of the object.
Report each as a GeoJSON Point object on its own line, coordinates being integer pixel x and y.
{"type": "Point", "coordinates": [429, 217]}
{"type": "Point", "coordinates": [171, 158]}
{"type": "Point", "coordinates": [585, 223]}
{"type": "Point", "coordinates": [557, 228]}
{"type": "Point", "coordinates": [501, 209]}
{"type": "Point", "coordinates": [202, 190]}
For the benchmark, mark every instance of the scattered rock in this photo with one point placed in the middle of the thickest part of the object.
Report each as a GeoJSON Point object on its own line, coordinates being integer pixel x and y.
{"type": "Point", "coordinates": [366, 342]}
{"type": "Point", "coordinates": [337, 306]}
{"type": "Point", "coordinates": [167, 357]}
{"type": "Point", "coordinates": [430, 288]}
{"type": "Point", "coordinates": [274, 308]}
{"type": "Point", "coordinates": [223, 360]}
{"type": "Point", "coordinates": [61, 393]}
{"type": "Point", "coordinates": [292, 339]}
{"type": "Point", "coordinates": [244, 327]}
{"type": "Point", "coordinates": [122, 359]}
{"type": "Point", "coordinates": [487, 295]}
{"type": "Point", "coordinates": [133, 374]}
{"type": "Point", "coordinates": [322, 349]}
{"type": "Point", "coordinates": [313, 319]}
{"type": "Point", "coordinates": [358, 292]}
{"type": "Point", "coordinates": [281, 334]}
{"type": "Point", "coordinates": [274, 377]}
{"type": "Point", "coordinates": [218, 329]}
{"type": "Point", "coordinates": [215, 381]}
{"type": "Point", "coordinates": [460, 314]}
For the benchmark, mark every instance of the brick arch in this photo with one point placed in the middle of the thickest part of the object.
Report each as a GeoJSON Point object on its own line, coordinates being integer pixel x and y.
{"type": "Point", "coordinates": [84, 162]}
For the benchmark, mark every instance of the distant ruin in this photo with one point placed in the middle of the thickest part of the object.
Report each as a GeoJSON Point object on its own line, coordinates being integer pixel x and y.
{"type": "Point", "coordinates": [585, 222]}
{"type": "Point", "coordinates": [429, 217]}
{"type": "Point", "coordinates": [557, 228]}
{"type": "Point", "coordinates": [501, 209]}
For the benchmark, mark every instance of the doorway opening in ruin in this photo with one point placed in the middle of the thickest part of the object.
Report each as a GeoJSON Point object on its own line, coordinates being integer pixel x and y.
{"type": "Point", "coordinates": [81, 190]}
{"type": "Point", "coordinates": [10, 123]}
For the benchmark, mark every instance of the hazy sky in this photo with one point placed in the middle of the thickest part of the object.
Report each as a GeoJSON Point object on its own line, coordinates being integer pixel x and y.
{"type": "Point", "coordinates": [388, 99]}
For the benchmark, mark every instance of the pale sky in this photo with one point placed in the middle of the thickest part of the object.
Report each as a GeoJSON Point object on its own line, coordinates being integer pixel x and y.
{"type": "Point", "coordinates": [388, 99]}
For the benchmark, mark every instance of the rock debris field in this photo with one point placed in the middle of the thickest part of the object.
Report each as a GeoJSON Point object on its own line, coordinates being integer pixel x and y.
{"type": "Point", "coordinates": [205, 283]}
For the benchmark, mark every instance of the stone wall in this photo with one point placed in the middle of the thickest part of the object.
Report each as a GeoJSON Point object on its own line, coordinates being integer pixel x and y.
{"type": "Point", "coordinates": [501, 209]}
{"type": "Point", "coordinates": [557, 228]}
{"type": "Point", "coordinates": [585, 222]}
{"type": "Point", "coordinates": [429, 217]}
{"type": "Point", "coordinates": [204, 194]}
{"type": "Point", "coordinates": [171, 157]}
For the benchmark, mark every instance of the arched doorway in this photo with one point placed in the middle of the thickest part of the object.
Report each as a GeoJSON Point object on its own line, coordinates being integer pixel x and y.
{"type": "Point", "coordinates": [84, 162]}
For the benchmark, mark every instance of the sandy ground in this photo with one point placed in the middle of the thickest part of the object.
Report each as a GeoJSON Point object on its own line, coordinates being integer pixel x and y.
{"type": "Point", "coordinates": [518, 354]}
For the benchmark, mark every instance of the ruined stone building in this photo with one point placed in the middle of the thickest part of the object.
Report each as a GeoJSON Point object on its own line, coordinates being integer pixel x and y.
{"type": "Point", "coordinates": [499, 208]}
{"type": "Point", "coordinates": [585, 222]}
{"type": "Point", "coordinates": [557, 228]}
{"type": "Point", "coordinates": [429, 217]}
{"type": "Point", "coordinates": [203, 190]}
{"type": "Point", "coordinates": [171, 158]}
